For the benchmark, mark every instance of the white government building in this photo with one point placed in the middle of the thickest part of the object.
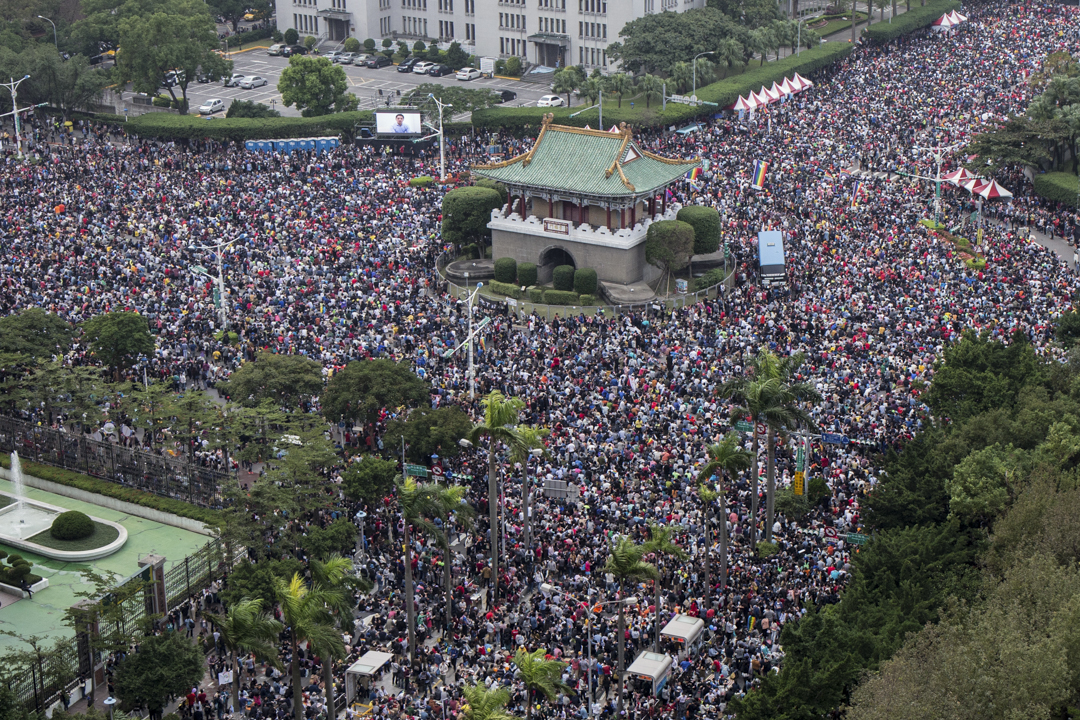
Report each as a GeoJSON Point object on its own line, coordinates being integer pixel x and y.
{"type": "Point", "coordinates": [554, 33]}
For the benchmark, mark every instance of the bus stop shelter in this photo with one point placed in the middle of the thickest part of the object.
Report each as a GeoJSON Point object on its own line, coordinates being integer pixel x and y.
{"type": "Point", "coordinates": [687, 631]}
{"type": "Point", "coordinates": [363, 670]}
{"type": "Point", "coordinates": [652, 668]}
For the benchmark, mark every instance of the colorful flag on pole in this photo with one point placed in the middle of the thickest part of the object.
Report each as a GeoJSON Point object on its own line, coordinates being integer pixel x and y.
{"type": "Point", "coordinates": [760, 168]}
{"type": "Point", "coordinates": [855, 193]}
{"type": "Point", "coordinates": [693, 174]}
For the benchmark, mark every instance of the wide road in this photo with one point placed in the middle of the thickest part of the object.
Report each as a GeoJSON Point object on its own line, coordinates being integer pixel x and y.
{"type": "Point", "coordinates": [365, 83]}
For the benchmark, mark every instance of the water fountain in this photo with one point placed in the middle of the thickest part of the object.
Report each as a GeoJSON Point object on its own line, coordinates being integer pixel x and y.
{"type": "Point", "coordinates": [24, 518]}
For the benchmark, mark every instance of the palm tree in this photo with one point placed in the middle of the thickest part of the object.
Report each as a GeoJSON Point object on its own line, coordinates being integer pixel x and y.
{"type": "Point", "coordinates": [246, 628]}
{"type": "Point", "coordinates": [767, 397]}
{"type": "Point", "coordinates": [335, 577]}
{"type": "Point", "coordinates": [564, 81]}
{"type": "Point", "coordinates": [417, 502]}
{"type": "Point", "coordinates": [729, 51]}
{"type": "Point", "coordinates": [500, 418]}
{"type": "Point", "coordinates": [625, 563]}
{"type": "Point", "coordinates": [706, 71]}
{"type": "Point", "coordinates": [539, 676]}
{"type": "Point", "coordinates": [532, 439]}
{"type": "Point", "coordinates": [661, 545]}
{"type": "Point", "coordinates": [650, 86]}
{"type": "Point", "coordinates": [452, 501]}
{"type": "Point", "coordinates": [725, 457]}
{"type": "Point", "coordinates": [680, 76]}
{"type": "Point", "coordinates": [619, 84]}
{"type": "Point", "coordinates": [783, 35]}
{"type": "Point", "coordinates": [482, 703]}
{"type": "Point", "coordinates": [758, 43]}
{"type": "Point", "coordinates": [307, 620]}
{"type": "Point", "coordinates": [590, 89]}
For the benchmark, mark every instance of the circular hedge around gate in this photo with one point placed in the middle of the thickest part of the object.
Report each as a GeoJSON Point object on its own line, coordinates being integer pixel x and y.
{"type": "Point", "coordinates": [72, 525]}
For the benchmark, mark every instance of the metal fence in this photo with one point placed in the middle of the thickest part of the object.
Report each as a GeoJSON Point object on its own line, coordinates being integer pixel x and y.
{"type": "Point", "coordinates": [172, 477]}
{"type": "Point", "coordinates": [37, 684]}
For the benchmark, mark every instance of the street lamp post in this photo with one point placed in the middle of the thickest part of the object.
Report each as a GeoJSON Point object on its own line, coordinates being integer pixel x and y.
{"type": "Point", "coordinates": [536, 453]}
{"type": "Point", "coordinates": [218, 250]}
{"type": "Point", "coordinates": [13, 88]}
{"type": "Point", "coordinates": [55, 43]}
{"type": "Point", "coordinates": [472, 367]}
{"type": "Point", "coordinates": [693, 94]}
{"type": "Point", "coordinates": [798, 37]}
{"type": "Point", "coordinates": [442, 153]}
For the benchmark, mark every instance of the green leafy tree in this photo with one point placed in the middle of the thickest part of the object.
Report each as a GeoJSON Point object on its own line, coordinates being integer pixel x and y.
{"type": "Point", "coordinates": [985, 483]}
{"type": "Point", "coordinates": [725, 458]}
{"type": "Point", "coordinates": [625, 563]}
{"type": "Point", "coordinates": [177, 35]}
{"type": "Point", "coordinates": [540, 676]}
{"type": "Point", "coordinates": [289, 380]}
{"type": "Point", "coordinates": [233, 11]}
{"type": "Point", "coordinates": [466, 212]}
{"type": "Point", "coordinates": [69, 85]}
{"type": "Point", "coordinates": [255, 580]}
{"type": "Point", "coordinates": [663, 548]}
{"type": "Point", "coordinates": [165, 666]}
{"type": "Point", "coordinates": [369, 479]}
{"type": "Point", "coordinates": [35, 334]}
{"type": "Point", "coordinates": [315, 86]}
{"type": "Point", "coordinates": [619, 84]}
{"type": "Point", "coordinates": [456, 57]}
{"type": "Point", "coordinates": [706, 224]}
{"type": "Point", "coordinates": [501, 416]}
{"type": "Point", "coordinates": [353, 45]}
{"type": "Point", "coordinates": [292, 37]}
{"type": "Point", "coordinates": [669, 245]}
{"type": "Point", "coordinates": [651, 87]}
{"type": "Point", "coordinates": [729, 52]}
{"type": "Point", "coordinates": [484, 703]}
{"type": "Point", "coordinates": [307, 620]}
{"type": "Point", "coordinates": [429, 432]}
{"type": "Point", "coordinates": [564, 81]}
{"type": "Point", "coordinates": [656, 42]}
{"type": "Point", "coordinates": [250, 109]}
{"type": "Point", "coordinates": [246, 628]}
{"type": "Point", "coordinates": [365, 387]}
{"type": "Point", "coordinates": [117, 339]}
{"type": "Point", "coordinates": [463, 99]}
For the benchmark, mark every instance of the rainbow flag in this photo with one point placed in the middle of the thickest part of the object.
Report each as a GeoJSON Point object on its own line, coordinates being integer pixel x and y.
{"type": "Point", "coordinates": [693, 174]}
{"type": "Point", "coordinates": [855, 193]}
{"type": "Point", "coordinates": [760, 168]}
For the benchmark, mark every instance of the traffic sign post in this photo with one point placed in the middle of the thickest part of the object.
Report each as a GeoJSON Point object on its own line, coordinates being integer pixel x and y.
{"type": "Point", "coordinates": [797, 484]}
{"type": "Point", "coordinates": [761, 429]}
{"type": "Point", "coordinates": [744, 426]}
{"type": "Point", "coordinates": [835, 439]}
{"type": "Point", "coordinates": [857, 539]}
{"type": "Point", "coordinates": [416, 471]}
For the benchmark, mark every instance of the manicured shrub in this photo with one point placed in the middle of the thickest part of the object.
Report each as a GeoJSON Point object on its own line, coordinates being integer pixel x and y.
{"type": "Point", "coordinates": [1059, 186]}
{"type": "Point", "coordinates": [589, 301]}
{"type": "Point", "coordinates": [508, 289]}
{"type": "Point", "coordinates": [526, 274]}
{"type": "Point", "coordinates": [914, 19]}
{"type": "Point", "coordinates": [513, 66]}
{"type": "Point", "coordinates": [506, 270]}
{"type": "Point", "coordinates": [162, 101]}
{"type": "Point", "coordinates": [585, 281]}
{"type": "Point", "coordinates": [706, 224]}
{"type": "Point", "coordinates": [353, 45]}
{"type": "Point", "coordinates": [72, 525]}
{"type": "Point", "coordinates": [561, 297]}
{"type": "Point", "coordinates": [536, 295]}
{"type": "Point", "coordinates": [563, 278]}
{"type": "Point", "coordinates": [470, 251]}
{"type": "Point", "coordinates": [166, 126]}
{"type": "Point", "coordinates": [422, 181]}
{"type": "Point", "coordinates": [711, 278]}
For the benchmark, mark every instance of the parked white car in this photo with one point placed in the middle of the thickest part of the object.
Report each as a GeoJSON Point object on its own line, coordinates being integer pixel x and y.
{"type": "Point", "coordinates": [252, 81]}
{"type": "Point", "coordinates": [212, 106]}
{"type": "Point", "coordinates": [421, 68]}
{"type": "Point", "coordinates": [468, 74]}
{"type": "Point", "coordinates": [550, 101]}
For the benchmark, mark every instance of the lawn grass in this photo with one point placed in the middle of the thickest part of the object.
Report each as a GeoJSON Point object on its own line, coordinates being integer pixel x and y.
{"type": "Point", "coordinates": [103, 535]}
{"type": "Point", "coordinates": [5, 500]}
{"type": "Point", "coordinates": [835, 26]}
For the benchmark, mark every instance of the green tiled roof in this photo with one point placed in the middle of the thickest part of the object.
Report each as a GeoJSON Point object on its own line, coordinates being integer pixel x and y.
{"type": "Point", "coordinates": [588, 162]}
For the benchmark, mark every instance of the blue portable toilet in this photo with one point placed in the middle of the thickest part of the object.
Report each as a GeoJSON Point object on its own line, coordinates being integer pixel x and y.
{"type": "Point", "coordinates": [251, 145]}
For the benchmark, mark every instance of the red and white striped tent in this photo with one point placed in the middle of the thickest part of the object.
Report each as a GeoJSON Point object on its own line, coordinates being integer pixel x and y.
{"type": "Point", "coordinates": [958, 176]}
{"type": "Point", "coordinates": [958, 17]}
{"type": "Point", "coordinates": [992, 190]}
{"type": "Point", "coordinates": [973, 184]}
{"type": "Point", "coordinates": [760, 98]}
{"type": "Point", "coordinates": [743, 104]}
{"type": "Point", "coordinates": [788, 87]}
{"type": "Point", "coordinates": [945, 22]}
{"type": "Point", "coordinates": [771, 94]}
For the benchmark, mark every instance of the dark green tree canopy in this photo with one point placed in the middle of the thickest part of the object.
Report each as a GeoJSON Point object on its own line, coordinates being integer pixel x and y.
{"type": "Point", "coordinates": [427, 432]}
{"type": "Point", "coordinates": [654, 43]}
{"type": "Point", "coordinates": [250, 109]}
{"type": "Point", "coordinates": [669, 244]}
{"type": "Point", "coordinates": [706, 224]}
{"type": "Point", "coordinates": [288, 380]}
{"type": "Point", "coordinates": [466, 212]}
{"type": "Point", "coordinates": [316, 86]}
{"type": "Point", "coordinates": [35, 333]}
{"type": "Point", "coordinates": [118, 338]}
{"type": "Point", "coordinates": [165, 666]}
{"type": "Point", "coordinates": [370, 479]}
{"type": "Point", "coordinates": [365, 387]}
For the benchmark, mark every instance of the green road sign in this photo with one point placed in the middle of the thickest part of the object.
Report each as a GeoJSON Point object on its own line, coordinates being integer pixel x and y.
{"type": "Point", "coordinates": [857, 538]}
{"type": "Point", "coordinates": [744, 426]}
{"type": "Point", "coordinates": [416, 470]}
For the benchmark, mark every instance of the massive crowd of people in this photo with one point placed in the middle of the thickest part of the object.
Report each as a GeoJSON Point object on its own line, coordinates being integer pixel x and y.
{"type": "Point", "coordinates": [333, 255]}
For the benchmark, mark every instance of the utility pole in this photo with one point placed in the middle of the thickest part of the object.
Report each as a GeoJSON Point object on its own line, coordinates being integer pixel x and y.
{"type": "Point", "coordinates": [13, 88]}
{"type": "Point", "coordinates": [442, 143]}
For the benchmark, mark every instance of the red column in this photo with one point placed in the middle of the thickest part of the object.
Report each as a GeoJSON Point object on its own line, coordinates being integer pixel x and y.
{"type": "Point", "coordinates": [551, 208]}
{"type": "Point", "coordinates": [622, 218]}
{"type": "Point", "coordinates": [609, 217]}
{"type": "Point", "coordinates": [633, 215]}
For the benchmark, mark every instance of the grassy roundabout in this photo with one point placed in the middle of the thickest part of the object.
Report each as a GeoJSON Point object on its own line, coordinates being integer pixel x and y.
{"type": "Point", "coordinates": [103, 535]}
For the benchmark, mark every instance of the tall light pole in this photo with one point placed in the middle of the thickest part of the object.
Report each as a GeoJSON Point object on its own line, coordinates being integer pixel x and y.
{"type": "Point", "coordinates": [798, 37]}
{"type": "Point", "coordinates": [13, 88]}
{"type": "Point", "coordinates": [693, 94]}
{"type": "Point", "coordinates": [218, 250]}
{"type": "Point", "coordinates": [472, 367]}
{"type": "Point", "coordinates": [938, 153]}
{"type": "Point", "coordinates": [536, 453]}
{"type": "Point", "coordinates": [55, 44]}
{"type": "Point", "coordinates": [442, 163]}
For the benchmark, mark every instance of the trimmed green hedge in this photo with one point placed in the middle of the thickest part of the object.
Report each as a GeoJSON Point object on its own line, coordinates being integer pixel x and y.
{"type": "Point", "coordinates": [561, 297]}
{"type": "Point", "coordinates": [422, 181]}
{"type": "Point", "coordinates": [589, 300]}
{"type": "Point", "coordinates": [526, 273]}
{"type": "Point", "coordinates": [910, 21]}
{"type": "Point", "coordinates": [562, 278]}
{"type": "Point", "coordinates": [210, 518]}
{"type": "Point", "coordinates": [508, 289]}
{"type": "Point", "coordinates": [250, 36]}
{"type": "Point", "coordinates": [506, 270]}
{"type": "Point", "coordinates": [72, 525]}
{"type": "Point", "coordinates": [1059, 186]}
{"type": "Point", "coordinates": [585, 281]}
{"type": "Point", "coordinates": [723, 93]}
{"type": "Point", "coordinates": [536, 295]}
{"type": "Point", "coordinates": [166, 126]}
{"type": "Point", "coordinates": [706, 224]}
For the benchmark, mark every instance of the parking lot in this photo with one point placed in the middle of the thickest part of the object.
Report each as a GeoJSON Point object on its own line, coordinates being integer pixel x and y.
{"type": "Point", "coordinates": [365, 83]}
